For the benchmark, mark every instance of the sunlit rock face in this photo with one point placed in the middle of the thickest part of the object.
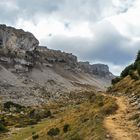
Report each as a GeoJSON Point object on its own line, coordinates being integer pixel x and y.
{"type": "Point", "coordinates": [17, 47]}
{"type": "Point", "coordinates": [16, 39]}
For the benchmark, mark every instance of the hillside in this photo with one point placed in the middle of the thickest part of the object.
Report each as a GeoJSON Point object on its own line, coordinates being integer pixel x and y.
{"type": "Point", "coordinates": [32, 74]}
{"type": "Point", "coordinates": [125, 124]}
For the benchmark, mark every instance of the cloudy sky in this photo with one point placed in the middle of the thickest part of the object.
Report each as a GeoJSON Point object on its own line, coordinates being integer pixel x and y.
{"type": "Point", "coordinates": [100, 31]}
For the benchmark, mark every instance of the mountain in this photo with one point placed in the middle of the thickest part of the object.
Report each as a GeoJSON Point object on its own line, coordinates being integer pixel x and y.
{"type": "Point", "coordinates": [32, 74]}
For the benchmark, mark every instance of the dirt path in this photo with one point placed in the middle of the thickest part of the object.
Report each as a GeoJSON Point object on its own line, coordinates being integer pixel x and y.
{"type": "Point", "coordinates": [118, 126]}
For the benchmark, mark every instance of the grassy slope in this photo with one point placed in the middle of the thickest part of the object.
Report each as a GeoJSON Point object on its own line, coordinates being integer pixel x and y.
{"type": "Point", "coordinates": [85, 120]}
{"type": "Point", "coordinates": [126, 86]}
{"type": "Point", "coordinates": [129, 81]}
{"type": "Point", "coordinates": [131, 89]}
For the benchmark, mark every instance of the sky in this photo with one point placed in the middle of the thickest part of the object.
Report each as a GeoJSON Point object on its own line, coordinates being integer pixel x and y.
{"type": "Point", "coordinates": [98, 31]}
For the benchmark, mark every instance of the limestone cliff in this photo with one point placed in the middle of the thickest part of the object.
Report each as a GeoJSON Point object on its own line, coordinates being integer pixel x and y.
{"type": "Point", "coordinates": [100, 70]}
{"type": "Point", "coordinates": [14, 40]}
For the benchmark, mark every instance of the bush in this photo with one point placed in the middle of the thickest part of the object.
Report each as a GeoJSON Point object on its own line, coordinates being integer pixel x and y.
{"type": "Point", "coordinates": [133, 75]}
{"type": "Point", "coordinates": [136, 64]}
{"type": "Point", "coordinates": [35, 136]}
{"type": "Point", "coordinates": [39, 114]}
{"type": "Point", "coordinates": [32, 121]}
{"type": "Point", "coordinates": [131, 72]}
{"type": "Point", "coordinates": [10, 104]}
{"type": "Point", "coordinates": [110, 110]}
{"type": "Point", "coordinates": [92, 98]}
{"type": "Point", "coordinates": [99, 100]}
{"type": "Point", "coordinates": [138, 69]}
{"type": "Point", "coordinates": [2, 128]}
{"type": "Point", "coordinates": [126, 71]}
{"type": "Point", "coordinates": [66, 128]}
{"type": "Point", "coordinates": [138, 56]}
{"type": "Point", "coordinates": [135, 117]}
{"type": "Point", "coordinates": [53, 132]}
{"type": "Point", "coordinates": [115, 80]}
{"type": "Point", "coordinates": [109, 107]}
{"type": "Point", "coordinates": [35, 114]}
{"type": "Point", "coordinates": [47, 114]}
{"type": "Point", "coordinates": [33, 133]}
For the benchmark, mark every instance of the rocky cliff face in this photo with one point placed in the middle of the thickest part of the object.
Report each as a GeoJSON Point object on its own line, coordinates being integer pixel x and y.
{"type": "Point", "coordinates": [15, 40]}
{"type": "Point", "coordinates": [32, 74]}
{"type": "Point", "coordinates": [56, 56]}
{"type": "Point", "coordinates": [100, 70]}
{"type": "Point", "coordinates": [17, 47]}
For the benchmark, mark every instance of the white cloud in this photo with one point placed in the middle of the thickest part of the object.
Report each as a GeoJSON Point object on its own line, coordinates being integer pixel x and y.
{"type": "Point", "coordinates": [44, 28]}
{"type": "Point", "coordinates": [11, 5]}
{"type": "Point", "coordinates": [128, 23]}
{"type": "Point", "coordinates": [95, 30]}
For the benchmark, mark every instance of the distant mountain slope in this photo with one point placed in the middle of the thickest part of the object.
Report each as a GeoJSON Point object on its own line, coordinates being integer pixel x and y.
{"type": "Point", "coordinates": [32, 74]}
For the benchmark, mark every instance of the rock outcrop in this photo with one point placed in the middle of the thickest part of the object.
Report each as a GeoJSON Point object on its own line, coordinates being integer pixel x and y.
{"type": "Point", "coordinates": [56, 56]}
{"type": "Point", "coordinates": [17, 48]}
{"type": "Point", "coordinates": [14, 40]}
{"type": "Point", "coordinates": [100, 70]}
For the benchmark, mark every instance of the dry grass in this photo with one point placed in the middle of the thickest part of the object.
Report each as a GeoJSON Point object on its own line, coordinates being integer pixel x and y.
{"type": "Point", "coordinates": [126, 86]}
{"type": "Point", "coordinates": [85, 121]}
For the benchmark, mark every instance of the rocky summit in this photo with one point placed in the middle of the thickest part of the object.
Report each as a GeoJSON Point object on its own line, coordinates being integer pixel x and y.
{"type": "Point", "coordinates": [32, 74]}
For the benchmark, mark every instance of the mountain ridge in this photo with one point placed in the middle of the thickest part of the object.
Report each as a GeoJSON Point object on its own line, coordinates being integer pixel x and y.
{"type": "Point", "coordinates": [31, 69]}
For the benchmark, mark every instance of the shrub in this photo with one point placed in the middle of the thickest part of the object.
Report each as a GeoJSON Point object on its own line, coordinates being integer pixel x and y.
{"type": "Point", "coordinates": [53, 132]}
{"type": "Point", "coordinates": [32, 113]}
{"type": "Point", "coordinates": [138, 56]}
{"type": "Point", "coordinates": [136, 64]}
{"type": "Point", "coordinates": [131, 72]}
{"type": "Point", "coordinates": [47, 114]}
{"type": "Point", "coordinates": [35, 136]}
{"type": "Point", "coordinates": [35, 114]}
{"type": "Point", "coordinates": [138, 69]}
{"type": "Point", "coordinates": [92, 98]}
{"type": "Point", "coordinates": [133, 75]}
{"type": "Point", "coordinates": [10, 104]}
{"type": "Point", "coordinates": [32, 121]}
{"type": "Point", "coordinates": [66, 128]}
{"type": "Point", "coordinates": [109, 107]}
{"type": "Point", "coordinates": [135, 117]}
{"type": "Point", "coordinates": [2, 128]}
{"type": "Point", "coordinates": [125, 72]}
{"type": "Point", "coordinates": [33, 133]}
{"type": "Point", "coordinates": [115, 80]}
{"type": "Point", "coordinates": [99, 100]}
{"type": "Point", "coordinates": [110, 110]}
